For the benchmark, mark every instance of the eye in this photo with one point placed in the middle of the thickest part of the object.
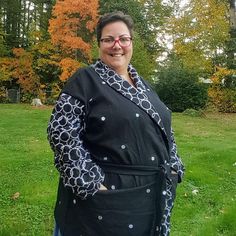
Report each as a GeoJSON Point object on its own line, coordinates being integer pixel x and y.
{"type": "Point", "coordinates": [108, 40]}
{"type": "Point", "coordinates": [124, 39]}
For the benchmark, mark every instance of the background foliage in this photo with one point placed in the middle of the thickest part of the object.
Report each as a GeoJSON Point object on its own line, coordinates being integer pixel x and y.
{"type": "Point", "coordinates": [180, 88]}
{"type": "Point", "coordinates": [58, 37]}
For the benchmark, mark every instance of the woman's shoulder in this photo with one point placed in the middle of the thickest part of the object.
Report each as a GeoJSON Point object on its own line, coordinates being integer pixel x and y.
{"type": "Point", "coordinates": [80, 82]}
{"type": "Point", "coordinates": [80, 76]}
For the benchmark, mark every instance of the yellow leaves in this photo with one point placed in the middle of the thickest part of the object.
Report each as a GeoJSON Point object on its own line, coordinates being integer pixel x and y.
{"type": "Point", "coordinates": [222, 97]}
{"type": "Point", "coordinates": [221, 73]}
{"type": "Point", "coordinates": [192, 57]}
{"type": "Point", "coordinates": [6, 68]}
{"type": "Point", "coordinates": [199, 31]}
{"type": "Point", "coordinates": [215, 79]}
{"type": "Point", "coordinates": [15, 196]}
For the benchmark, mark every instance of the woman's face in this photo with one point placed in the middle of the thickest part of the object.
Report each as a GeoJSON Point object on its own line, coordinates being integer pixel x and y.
{"type": "Point", "coordinates": [116, 56]}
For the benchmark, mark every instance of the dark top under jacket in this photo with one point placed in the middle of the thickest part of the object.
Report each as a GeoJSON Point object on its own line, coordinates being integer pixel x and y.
{"type": "Point", "coordinates": [105, 131]}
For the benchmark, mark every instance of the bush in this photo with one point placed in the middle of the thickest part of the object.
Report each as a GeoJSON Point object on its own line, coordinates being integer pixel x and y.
{"type": "Point", "coordinates": [223, 99]}
{"type": "Point", "coordinates": [180, 90]}
{"type": "Point", "coordinates": [3, 97]}
{"type": "Point", "coordinates": [194, 113]}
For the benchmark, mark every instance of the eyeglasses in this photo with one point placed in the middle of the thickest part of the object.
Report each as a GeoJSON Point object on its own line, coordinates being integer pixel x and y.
{"type": "Point", "coordinates": [123, 41]}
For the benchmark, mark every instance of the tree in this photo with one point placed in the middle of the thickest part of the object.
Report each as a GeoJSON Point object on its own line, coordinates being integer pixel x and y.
{"type": "Point", "coordinates": [3, 48]}
{"type": "Point", "coordinates": [46, 62]}
{"type": "Point", "coordinates": [6, 69]}
{"type": "Point", "coordinates": [142, 60]}
{"type": "Point", "coordinates": [72, 27]}
{"type": "Point", "coordinates": [23, 72]}
{"type": "Point", "coordinates": [180, 88]}
{"type": "Point", "coordinates": [199, 32]}
{"type": "Point", "coordinates": [18, 17]}
{"type": "Point", "coordinates": [155, 14]}
{"type": "Point", "coordinates": [11, 22]}
{"type": "Point", "coordinates": [231, 45]}
{"type": "Point", "coordinates": [221, 93]}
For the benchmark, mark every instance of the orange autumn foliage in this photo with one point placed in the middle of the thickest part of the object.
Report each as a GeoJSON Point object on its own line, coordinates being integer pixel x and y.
{"type": "Point", "coordinates": [6, 68]}
{"type": "Point", "coordinates": [68, 66]}
{"type": "Point", "coordinates": [23, 71]}
{"type": "Point", "coordinates": [72, 26]}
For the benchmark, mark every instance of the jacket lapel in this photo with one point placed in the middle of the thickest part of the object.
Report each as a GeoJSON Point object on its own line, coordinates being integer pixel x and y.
{"type": "Point", "coordinates": [137, 94]}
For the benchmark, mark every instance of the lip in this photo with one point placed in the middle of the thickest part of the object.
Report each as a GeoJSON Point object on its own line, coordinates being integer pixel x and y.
{"type": "Point", "coordinates": [116, 54]}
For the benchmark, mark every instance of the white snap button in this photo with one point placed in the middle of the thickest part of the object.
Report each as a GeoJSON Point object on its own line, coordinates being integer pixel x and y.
{"type": "Point", "coordinates": [105, 158]}
{"type": "Point", "coordinates": [137, 115]}
{"type": "Point", "coordinates": [123, 146]}
{"type": "Point", "coordinates": [131, 226]}
{"type": "Point", "coordinates": [153, 158]}
{"type": "Point", "coordinates": [164, 193]}
{"type": "Point", "coordinates": [148, 190]}
{"type": "Point", "coordinates": [103, 118]}
{"type": "Point", "coordinates": [113, 187]}
{"type": "Point", "coordinates": [100, 217]}
{"type": "Point", "coordinates": [74, 201]}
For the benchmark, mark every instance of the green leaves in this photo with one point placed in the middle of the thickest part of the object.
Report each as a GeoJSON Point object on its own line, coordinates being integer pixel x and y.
{"type": "Point", "coordinates": [199, 33]}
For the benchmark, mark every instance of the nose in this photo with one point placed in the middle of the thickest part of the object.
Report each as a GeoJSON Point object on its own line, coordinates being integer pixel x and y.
{"type": "Point", "coordinates": [116, 43]}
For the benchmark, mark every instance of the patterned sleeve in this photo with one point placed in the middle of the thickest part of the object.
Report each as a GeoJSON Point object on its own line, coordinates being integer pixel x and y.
{"type": "Point", "coordinates": [175, 160]}
{"type": "Point", "coordinates": [73, 161]}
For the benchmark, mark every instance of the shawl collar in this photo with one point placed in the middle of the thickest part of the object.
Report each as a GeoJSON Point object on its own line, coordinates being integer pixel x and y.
{"type": "Point", "coordinates": [136, 95]}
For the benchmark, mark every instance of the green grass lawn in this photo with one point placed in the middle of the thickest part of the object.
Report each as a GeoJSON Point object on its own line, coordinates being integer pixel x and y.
{"type": "Point", "coordinates": [207, 146]}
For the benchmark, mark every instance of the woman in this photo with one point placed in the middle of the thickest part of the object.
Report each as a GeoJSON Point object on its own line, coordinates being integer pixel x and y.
{"type": "Point", "coordinates": [114, 146]}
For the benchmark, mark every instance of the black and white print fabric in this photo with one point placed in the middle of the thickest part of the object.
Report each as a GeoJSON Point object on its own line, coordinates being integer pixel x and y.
{"type": "Point", "coordinates": [175, 161]}
{"type": "Point", "coordinates": [72, 160]}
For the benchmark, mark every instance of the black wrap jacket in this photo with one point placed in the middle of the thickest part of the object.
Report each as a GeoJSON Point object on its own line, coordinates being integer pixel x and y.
{"type": "Point", "coordinates": [105, 131]}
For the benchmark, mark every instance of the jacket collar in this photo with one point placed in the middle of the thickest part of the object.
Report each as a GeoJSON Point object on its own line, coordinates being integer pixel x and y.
{"type": "Point", "coordinates": [135, 94]}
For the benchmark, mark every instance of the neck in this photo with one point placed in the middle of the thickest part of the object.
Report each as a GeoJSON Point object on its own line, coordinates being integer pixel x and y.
{"type": "Point", "coordinates": [125, 76]}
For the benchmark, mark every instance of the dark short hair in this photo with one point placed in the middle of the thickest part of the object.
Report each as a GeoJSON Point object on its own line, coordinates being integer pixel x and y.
{"type": "Point", "coordinates": [114, 17]}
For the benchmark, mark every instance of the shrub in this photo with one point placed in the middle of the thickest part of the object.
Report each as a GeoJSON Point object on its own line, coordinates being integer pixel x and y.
{"type": "Point", "coordinates": [223, 99]}
{"type": "Point", "coordinates": [222, 92]}
{"type": "Point", "coordinates": [180, 90]}
{"type": "Point", "coordinates": [3, 97]}
{"type": "Point", "coordinates": [194, 113]}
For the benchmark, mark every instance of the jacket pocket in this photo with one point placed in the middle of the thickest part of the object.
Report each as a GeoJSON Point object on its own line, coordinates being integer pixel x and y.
{"type": "Point", "coordinates": [125, 212]}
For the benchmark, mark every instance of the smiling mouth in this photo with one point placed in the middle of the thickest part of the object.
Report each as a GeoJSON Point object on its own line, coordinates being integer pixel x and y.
{"type": "Point", "coordinates": [116, 55]}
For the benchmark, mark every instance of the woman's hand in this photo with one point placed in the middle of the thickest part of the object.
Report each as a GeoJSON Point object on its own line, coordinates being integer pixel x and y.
{"type": "Point", "coordinates": [174, 179]}
{"type": "Point", "coordinates": [102, 187]}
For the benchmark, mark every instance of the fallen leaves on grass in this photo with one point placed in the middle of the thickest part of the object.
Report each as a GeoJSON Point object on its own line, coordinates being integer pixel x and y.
{"type": "Point", "coordinates": [15, 196]}
{"type": "Point", "coordinates": [195, 192]}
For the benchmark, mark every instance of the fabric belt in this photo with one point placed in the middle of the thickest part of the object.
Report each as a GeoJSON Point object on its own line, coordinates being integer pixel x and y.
{"type": "Point", "coordinates": [130, 169]}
